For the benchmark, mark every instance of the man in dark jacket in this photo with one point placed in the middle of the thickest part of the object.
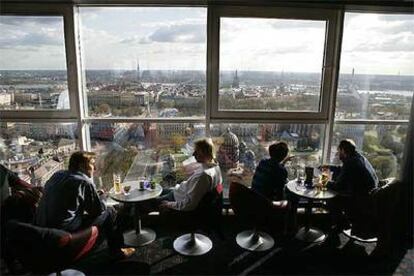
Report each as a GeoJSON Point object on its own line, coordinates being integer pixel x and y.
{"type": "Point", "coordinates": [355, 181]}
{"type": "Point", "coordinates": [270, 176]}
{"type": "Point", "coordinates": [71, 202]}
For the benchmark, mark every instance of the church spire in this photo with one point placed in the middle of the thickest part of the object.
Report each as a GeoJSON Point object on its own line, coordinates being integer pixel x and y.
{"type": "Point", "coordinates": [138, 73]}
{"type": "Point", "coordinates": [235, 81]}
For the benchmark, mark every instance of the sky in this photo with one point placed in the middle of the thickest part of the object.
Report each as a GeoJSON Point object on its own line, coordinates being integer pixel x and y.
{"type": "Point", "coordinates": [175, 38]}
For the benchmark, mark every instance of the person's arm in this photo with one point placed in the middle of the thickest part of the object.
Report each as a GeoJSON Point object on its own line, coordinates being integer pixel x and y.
{"type": "Point", "coordinates": [343, 180]}
{"type": "Point", "coordinates": [198, 187]}
{"type": "Point", "coordinates": [93, 204]}
{"type": "Point", "coordinates": [287, 158]}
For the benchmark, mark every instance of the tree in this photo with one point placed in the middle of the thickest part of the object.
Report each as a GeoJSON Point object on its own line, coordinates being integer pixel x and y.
{"type": "Point", "coordinates": [103, 108]}
{"type": "Point", "coordinates": [370, 143]}
{"type": "Point", "coordinates": [177, 141]}
{"type": "Point", "coordinates": [385, 166]}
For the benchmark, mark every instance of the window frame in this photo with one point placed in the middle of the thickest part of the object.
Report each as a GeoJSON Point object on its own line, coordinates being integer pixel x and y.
{"type": "Point", "coordinates": [333, 120]}
{"type": "Point", "coordinates": [78, 99]}
{"type": "Point", "coordinates": [66, 12]}
{"type": "Point", "coordinates": [329, 15]}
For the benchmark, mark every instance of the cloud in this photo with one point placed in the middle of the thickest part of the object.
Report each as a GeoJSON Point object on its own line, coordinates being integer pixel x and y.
{"type": "Point", "coordinates": [297, 24]}
{"type": "Point", "coordinates": [30, 32]}
{"type": "Point", "coordinates": [177, 33]}
{"type": "Point", "coordinates": [397, 17]}
{"type": "Point", "coordinates": [31, 40]}
{"type": "Point", "coordinates": [25, 21]}
{"type": "Point", "coordinates": [396, 43]}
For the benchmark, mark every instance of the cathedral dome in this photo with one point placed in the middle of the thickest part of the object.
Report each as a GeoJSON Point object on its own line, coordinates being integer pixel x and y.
{"type": "Point", "coordinates": [230, 139]}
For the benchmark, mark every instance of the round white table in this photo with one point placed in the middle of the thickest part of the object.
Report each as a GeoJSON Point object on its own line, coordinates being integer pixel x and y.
{"type": "Point", "coordinates": [297, 188]}
{"type": "Point", "coordinates": [140, 236]}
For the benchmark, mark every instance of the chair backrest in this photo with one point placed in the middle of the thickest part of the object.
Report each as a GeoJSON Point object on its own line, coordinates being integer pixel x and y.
{"type": "Point", "coordinates": [212, 201]}
{"type": "Point", "coordinates": [382, 204]}
{"type": "Point", "coordinates": [44, 250]}
{"type": "Point", "coordinates": [248, 204]}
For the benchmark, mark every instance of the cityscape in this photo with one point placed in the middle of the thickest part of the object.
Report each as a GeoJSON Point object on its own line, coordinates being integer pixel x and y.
{"type": "Point", "coordinates": [157, 150]}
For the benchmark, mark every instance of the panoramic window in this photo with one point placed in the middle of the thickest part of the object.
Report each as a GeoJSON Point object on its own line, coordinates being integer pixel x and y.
{"type": "Point", "coordinates": [151, 150]}
{"type": "Point", "coordinates": [376, 78]}
{"type": "Point", "coordinates": [144, 62]}
{"type": "Point", "coordinates": [383, 145]}
{"type": "Point", "coordinates": [240, 147]}
{"type": "Point", "coordinates": [33, 72]}
{"type": "Point", "coordinates": [271, 64]}
{"type": "Point", "coordinates": [35, 151]}
{"type": "Point", "coordinates": [376, 82]}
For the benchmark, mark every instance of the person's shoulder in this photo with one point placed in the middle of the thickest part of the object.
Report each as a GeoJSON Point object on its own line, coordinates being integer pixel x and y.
{"type": "Point", "coordinates": [265, 162]}
{"type": "Point", "coordinates": [79, 178]}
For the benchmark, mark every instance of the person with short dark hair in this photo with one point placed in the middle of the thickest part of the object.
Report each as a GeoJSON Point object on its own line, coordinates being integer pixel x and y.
{"type": "Point", "coordinates": [357, 177]}
{"type": "Point", "coordinates": [271, 175]}
{"type": "Point", "coordinates": [355, 181]}
{"type": "Point", "coordinates": [71, 203]}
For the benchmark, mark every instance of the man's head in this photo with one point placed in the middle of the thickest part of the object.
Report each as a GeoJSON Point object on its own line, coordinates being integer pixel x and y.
{"type": "Point", "coordinates": [278, 151]}
{"type": "Point", "coordinates": [203, 150]}
{"type": "Point", "coordinates": [82, 161]}
{"type": "Point", "coordinates": [346, 148]}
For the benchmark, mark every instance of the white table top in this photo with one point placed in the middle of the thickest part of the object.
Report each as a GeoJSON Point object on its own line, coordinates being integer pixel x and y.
{"type": "Point", "coordinates": [300, 190]}
{"type": "Point", "coordinates": [135, 194]}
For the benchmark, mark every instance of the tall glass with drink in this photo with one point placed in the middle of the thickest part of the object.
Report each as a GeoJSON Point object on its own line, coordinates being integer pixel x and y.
{"type": "Point", "coordinates": [325, 177]}
{"type": "Point", "coordinates": [117, 183]}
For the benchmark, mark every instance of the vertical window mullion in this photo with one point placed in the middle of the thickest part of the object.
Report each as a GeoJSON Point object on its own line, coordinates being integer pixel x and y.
{"type": "Point", "coordinates": [211, 90]}
{"type": "Point", "coordinates": [326, 154]}
{"type": "Point", "coordinates": [75, 75]}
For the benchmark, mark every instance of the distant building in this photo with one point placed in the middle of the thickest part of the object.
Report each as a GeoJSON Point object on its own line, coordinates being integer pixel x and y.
{"type": "Point", "coordinates": [117, 98]}
{"type": "Point", "coordinates": [235, 83]}
{"type": "Point", "coordinates": [166, 131]}
{"type": "Point", "coordinates": [228, 153]}
{"type": "Point", "coordinates": [138, 72]}
{"type": "Point", "coordinates": [45, 171]}
{"type": "Point", "coordinates": [5, 99]}
{"type": "Point", "coordinates": [66, 146]}
{"type": "Point", "coordinates": [116, 132]}
{"type": "Point", "coordinates": [168, 112]}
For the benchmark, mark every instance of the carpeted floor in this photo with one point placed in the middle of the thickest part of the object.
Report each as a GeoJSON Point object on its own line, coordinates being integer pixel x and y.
{"type": "Point", "coordinates": [289, 256]}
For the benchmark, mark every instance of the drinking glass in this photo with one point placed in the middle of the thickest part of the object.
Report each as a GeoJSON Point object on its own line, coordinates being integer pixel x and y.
{"type": "Point", "coordinates": [126, 189]}
{"type": "Point", "coordinates": [117, 183]}
{"type": "Point", "coordinates": [300, 173]}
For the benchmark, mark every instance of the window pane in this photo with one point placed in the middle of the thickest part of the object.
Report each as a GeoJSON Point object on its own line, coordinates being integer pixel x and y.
{"type": "Point", "coordinates": [143, 149]}
{"type": "Point", "coordinates": [383, 145]}
{"type": "Point", "coordinates": [377, 67]}
{"type": "Point", "coordinates": [270, 64]}
{"type": "Point", "coordinates": [32, 63]}
{"type": "Point", "coordinates": [242, 146]}
{"type": "Point", "coordinates": [37, 150]}
{"type": "Point", "coordinates": [144, 62]}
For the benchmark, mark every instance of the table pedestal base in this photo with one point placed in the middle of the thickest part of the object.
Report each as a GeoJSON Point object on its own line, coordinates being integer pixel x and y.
{"type": "Point", "coordinates": [144, 237]}
{"type": "Point", "coordinates": [254, 240]}
{"type": "Point", "coordinates": [310, 235]}
{"type": "Point", "coordinates": [192, 246]}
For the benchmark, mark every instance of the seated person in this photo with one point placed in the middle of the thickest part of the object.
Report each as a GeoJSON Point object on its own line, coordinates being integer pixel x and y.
{"type": "Point", "coordinates": [186, 195]}
{"type": "Point", "coordinates": [18, 202]}
{"type": "Point", "coordinates": [355, 181]}
{"type": "Point", "coordinates": [270, 176]}
{"type": "Point", "coordinates": [71, 202]}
